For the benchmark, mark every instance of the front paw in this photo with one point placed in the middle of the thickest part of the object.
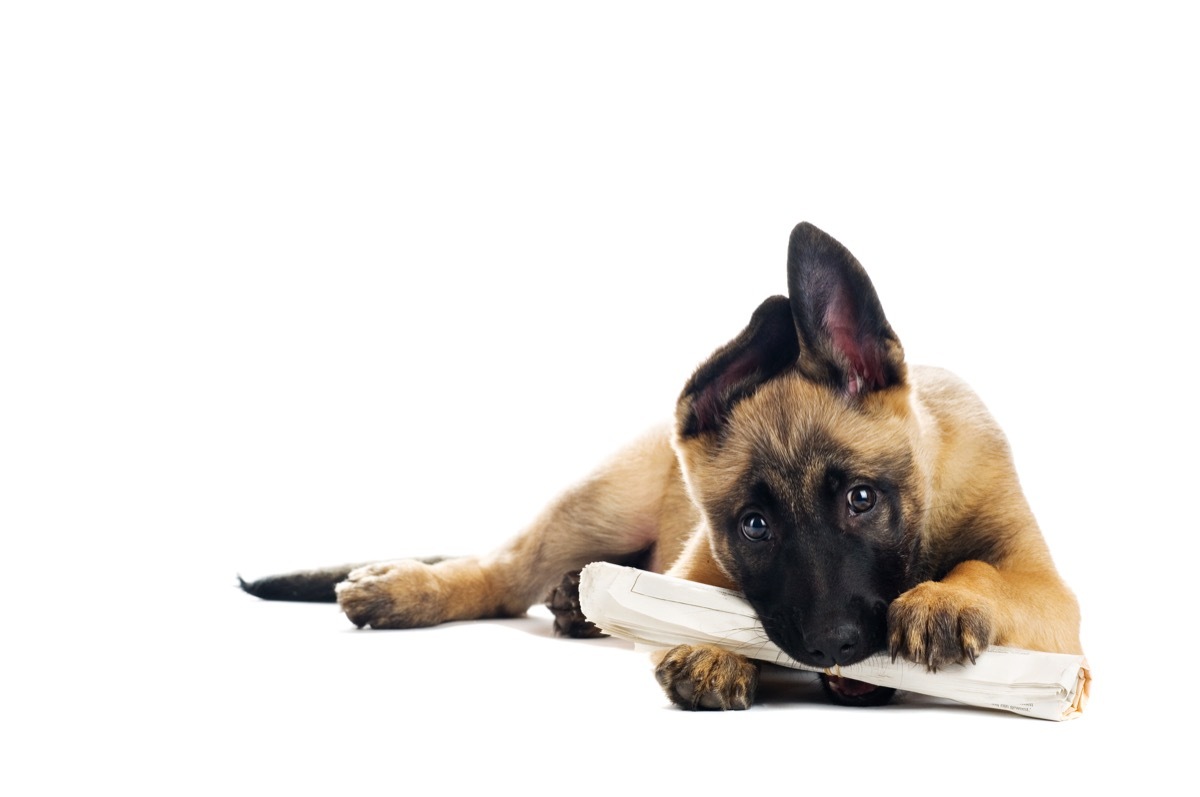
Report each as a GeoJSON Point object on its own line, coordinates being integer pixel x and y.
{"type": "Point", "coordinates": [707, 677]}
{"type": "Point", "coordinates": [938, 624]}
{"type": "Point", "coordinates": [400, 594]}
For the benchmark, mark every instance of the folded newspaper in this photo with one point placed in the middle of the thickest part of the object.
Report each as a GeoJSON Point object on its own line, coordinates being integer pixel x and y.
{"type": "Point", "coordinates": [660, 611]}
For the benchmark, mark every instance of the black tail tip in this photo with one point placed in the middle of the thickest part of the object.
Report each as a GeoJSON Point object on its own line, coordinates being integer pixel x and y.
{"type": "Point", "coordinates": [249, 587]}
{"type": "Point", "coordinates": [314, 586]}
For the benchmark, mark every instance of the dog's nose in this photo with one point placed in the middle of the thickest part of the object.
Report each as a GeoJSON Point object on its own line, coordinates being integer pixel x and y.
{"type": "Point", "coordinates": [842, 644]}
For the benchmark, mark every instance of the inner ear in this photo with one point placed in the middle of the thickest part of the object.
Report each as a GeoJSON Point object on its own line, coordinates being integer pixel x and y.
{"type": "Point", "coordinates": [844, 337]}
{"type": "Point", "coordinates": [765, 347]}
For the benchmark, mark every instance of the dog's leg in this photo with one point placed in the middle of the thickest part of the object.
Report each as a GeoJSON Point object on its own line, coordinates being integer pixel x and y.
{"type": "Point", "coordinates": [620, 510]}
{"type": "Point", "coordinates": [705, 676]}
{"type": "Point", "coordinates": [1019, 602]}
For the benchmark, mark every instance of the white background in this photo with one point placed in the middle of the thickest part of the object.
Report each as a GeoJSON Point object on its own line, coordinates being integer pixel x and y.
{"type": "Point", "coordinates": [294, 284]}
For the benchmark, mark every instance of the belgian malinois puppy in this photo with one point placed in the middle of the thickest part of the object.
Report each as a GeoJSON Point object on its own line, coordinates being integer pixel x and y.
{"type": "Point", "coordinates": [860, 504]}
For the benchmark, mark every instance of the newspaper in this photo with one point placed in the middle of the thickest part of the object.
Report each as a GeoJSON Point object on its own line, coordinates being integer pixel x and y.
{"type": "Point", "coordinates": [658, 611]}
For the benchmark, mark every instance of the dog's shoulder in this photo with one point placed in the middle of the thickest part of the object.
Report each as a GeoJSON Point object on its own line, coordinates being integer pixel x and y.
{"type": "Point", "coordinates": [949, 410]}
{"type": "Point", "coordinates": [965, 453]}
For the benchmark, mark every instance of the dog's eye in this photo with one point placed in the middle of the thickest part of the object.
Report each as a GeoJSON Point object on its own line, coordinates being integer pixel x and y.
{"type": "Point", "coordinates": [861, 499]}
{"type": "Point", "coordinates": [755, 527]}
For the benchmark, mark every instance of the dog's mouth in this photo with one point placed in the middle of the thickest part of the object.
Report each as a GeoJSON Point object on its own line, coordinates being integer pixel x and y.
{"type": "Point", "coordinates": [848, 687]}
{"type": "Point", "coordinates": [850, 692]}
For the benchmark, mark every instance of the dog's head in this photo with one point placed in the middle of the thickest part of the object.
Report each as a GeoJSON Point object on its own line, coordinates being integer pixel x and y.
{"type": "Point", "coordinates": [798, 444]}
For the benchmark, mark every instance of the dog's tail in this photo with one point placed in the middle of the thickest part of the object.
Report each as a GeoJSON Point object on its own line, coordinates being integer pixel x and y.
{"type": "Point", "coordinates": [311, 586]}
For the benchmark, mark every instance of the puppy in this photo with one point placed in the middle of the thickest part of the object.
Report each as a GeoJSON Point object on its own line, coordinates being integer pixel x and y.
{"type": "Point", "coordinates": [860, 504]}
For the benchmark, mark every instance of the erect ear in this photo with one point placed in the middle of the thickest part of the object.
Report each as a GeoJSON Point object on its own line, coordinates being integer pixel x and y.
{"type": "Point", "coordinates": [845, 340]}
{"type": "Point", "coordinates": [766, 346]}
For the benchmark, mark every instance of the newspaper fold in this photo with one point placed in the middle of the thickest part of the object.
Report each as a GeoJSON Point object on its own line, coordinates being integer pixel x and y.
{"type": "Point", "coordinates": [659, 611]}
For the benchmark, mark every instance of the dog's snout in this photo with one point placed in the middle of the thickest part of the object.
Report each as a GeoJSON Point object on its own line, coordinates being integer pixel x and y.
{"type": "Point", "coordinates": [842, 644]}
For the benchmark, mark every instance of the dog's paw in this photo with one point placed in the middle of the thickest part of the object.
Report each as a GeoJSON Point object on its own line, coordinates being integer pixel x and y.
{"type": "Point", "coordinates": [400, 594]}
{"type": "Point", "coordinates": [707, 677]}
{"type": "Point", "coordinates": [938, 624]}
{"type": "Point", "coordinates": [569, 620]}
